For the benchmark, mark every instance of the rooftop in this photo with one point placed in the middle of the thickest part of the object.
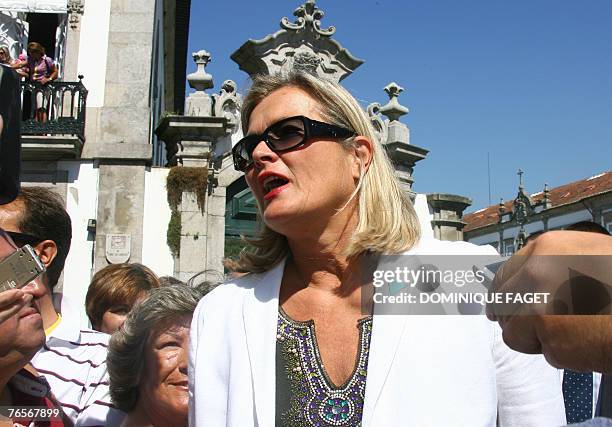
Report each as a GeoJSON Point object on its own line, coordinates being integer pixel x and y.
{"type": "Point", "coordinates": [562, 195]}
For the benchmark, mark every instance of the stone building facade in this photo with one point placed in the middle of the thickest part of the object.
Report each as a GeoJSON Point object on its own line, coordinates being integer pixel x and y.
{"type": "Point", "coordinates": [588, 199]}
{"type": "Point", "coordinates": [122, 64]}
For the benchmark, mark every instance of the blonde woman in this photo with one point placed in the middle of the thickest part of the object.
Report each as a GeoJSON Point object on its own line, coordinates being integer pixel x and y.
{"type": "Point", "coordinates": [291, 343]}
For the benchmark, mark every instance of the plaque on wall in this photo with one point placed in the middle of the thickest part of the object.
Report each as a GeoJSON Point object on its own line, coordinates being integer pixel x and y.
{"type": "Point", "coordinates": [118, 248]}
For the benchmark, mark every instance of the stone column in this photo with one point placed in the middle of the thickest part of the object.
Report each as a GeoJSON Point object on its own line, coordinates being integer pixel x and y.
{"type": "Point", "coordinates": [395, 136]}
{"type": "Point", "coordinates": [190, 143]}
{"type": "Point", "coordinates": [447, 212]}
{"type": "Point", "coordinates": [121, 146]}
{"type": "Point", "coordinates": [76, 9]}
{"type": "Point", "coordinates": [120, 207]}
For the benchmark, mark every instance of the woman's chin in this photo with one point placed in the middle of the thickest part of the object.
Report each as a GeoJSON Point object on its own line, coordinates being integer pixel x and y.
{"type": "Point", "coordinates": [277, 215]}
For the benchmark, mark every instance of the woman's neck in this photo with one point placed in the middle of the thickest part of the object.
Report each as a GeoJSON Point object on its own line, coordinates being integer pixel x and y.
{"type": "Point", "coordinates": [139, 417]}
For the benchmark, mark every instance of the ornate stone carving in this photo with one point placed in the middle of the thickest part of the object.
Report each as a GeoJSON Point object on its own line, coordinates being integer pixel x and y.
{"type": "Point", "coordinates": [380, 127]}
{"type": "Point", "coordinates": [306, 61]}
{"type": "Point", "coordinates": [75, 8]}
{"type": "Point", "coordinates": [228, 104]}
{"type": "Point", "coordinates": [308, 17]}
{"type": "Point", "coordinates": [302, 45]}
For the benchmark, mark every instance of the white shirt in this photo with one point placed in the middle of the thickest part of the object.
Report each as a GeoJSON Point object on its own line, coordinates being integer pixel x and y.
{"type": "Point", "coordinates": [73, 361]}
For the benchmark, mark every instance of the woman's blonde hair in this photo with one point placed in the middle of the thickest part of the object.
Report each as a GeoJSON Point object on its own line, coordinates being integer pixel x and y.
{"type": "Point", "coordinates": [387, 220]}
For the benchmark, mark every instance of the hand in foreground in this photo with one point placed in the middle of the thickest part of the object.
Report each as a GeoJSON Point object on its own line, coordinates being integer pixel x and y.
{"type": "Point", "coordinates": [11, 302]}
{"type": "Point", "coordinates": [578, 283]}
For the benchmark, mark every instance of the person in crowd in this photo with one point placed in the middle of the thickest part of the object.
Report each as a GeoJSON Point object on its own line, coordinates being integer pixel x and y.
{"type": "Point", "coordinates": [169, 280]}
{"type": "Point", "coordinates": [113, 291]}
{"type": "Point", "coordinates": [41, 69]}
{"type": "Point", "coordinates": [5, 56]}
{"type": "Point", "coordinates": [73, 360]}
{"type": "Point", "coordinates": [21, 336]}
{"type": "Point", "coordinates": [147, 359]}
{"type": "Point", "coordinates": [297, 341]}
{"type": "Point", "coordinates": [6, 60]}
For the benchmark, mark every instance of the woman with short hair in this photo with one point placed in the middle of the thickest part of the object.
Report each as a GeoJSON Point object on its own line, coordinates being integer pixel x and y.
{"type": "Point", "coordinates": [113, 292]}
{"type": "Point", "coordinates": [40, 69]}
{"type": "Point", "coordinates": [297, 341]}
{"type": "Point", "coordinates": [147, 359]}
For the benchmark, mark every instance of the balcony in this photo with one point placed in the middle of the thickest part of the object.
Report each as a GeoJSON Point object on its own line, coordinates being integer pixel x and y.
{"type": "Point", "coordinates": [53, 120]}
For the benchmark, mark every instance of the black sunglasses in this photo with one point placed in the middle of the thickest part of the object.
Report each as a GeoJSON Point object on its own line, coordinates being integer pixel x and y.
{"type": "Point", "coordinates": [22, 239]}
{"type": "Point", "coordinates": [285, 135]}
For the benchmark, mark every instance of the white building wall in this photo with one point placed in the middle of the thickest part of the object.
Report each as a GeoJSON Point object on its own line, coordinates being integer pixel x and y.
{"type": "Point", "coordinates": [81, 204]}
{"type": "Point", "coordinates": [425, 216]}
{"type": "Point", "coordinates": [93, 49]}
{"type": "Point", "coordinates": [155, 252]}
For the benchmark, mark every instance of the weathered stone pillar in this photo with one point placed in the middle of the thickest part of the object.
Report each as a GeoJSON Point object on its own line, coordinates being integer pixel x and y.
{"type": "Point", "coordinates": [395, 136]}
{"type": "Point", "coordinates": [447, 212]}
{"type": "Point", "coordinates": [73, 35]}
{"type": "Point", "coordinates": [121, 146]}
{"type": "Point", "coordinates": [190, 143]}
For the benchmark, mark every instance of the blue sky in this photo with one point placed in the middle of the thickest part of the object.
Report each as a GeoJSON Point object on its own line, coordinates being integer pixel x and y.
{"type": "Point", "coordinates": [527, 81]}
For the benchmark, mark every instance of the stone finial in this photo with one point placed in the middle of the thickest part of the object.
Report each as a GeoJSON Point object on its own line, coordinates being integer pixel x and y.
{"type": "Point", "coordinates": [501, 208]}
{"type": "Point", "coordinates": [546, 202]}
{"type": "Point", "coordinates": [201, 80]}
{"type": "Point", "coordinates": [308, 17]}
{"type": "Point", "coordinates": [393, 110]}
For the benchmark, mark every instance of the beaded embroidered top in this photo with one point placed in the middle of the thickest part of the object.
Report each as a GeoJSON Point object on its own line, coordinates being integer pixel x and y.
{"type": "Point", "coordinates": [305, 396]}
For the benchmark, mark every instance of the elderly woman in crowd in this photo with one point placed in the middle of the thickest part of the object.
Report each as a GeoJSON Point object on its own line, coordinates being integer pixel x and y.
{"type": "Point", "coordinates": [113, 292]}
{"type": "Point", "coordinates": [296, 341]}
{"type": "Point", "coordinates": [147, 359]}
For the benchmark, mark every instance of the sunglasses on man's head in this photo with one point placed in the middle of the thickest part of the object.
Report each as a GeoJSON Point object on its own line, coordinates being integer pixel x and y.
{"type": "Point", "coordinates": [285, 135]}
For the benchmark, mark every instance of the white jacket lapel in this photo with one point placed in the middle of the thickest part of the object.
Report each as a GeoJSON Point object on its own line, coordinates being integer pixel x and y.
{"type": "Point", "coordinates": [387, 331]}
{"type": "Point", "coordinates": [260, 313]}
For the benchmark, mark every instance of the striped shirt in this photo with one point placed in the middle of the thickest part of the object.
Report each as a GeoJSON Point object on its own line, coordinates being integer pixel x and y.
{"type": "Point", "coordinates": [73, 362]}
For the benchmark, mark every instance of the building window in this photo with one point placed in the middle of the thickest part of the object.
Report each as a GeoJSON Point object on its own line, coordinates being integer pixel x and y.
{"type": "Point", "coordinates": [508, 247]}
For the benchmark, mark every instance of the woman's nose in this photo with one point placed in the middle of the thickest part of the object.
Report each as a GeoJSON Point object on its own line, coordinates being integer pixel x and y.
{"type": "Point", "coordinates": [263, 153]}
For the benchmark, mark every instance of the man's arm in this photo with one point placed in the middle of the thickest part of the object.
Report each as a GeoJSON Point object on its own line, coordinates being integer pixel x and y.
{"type": "Point", "coordinates": [557, 263]}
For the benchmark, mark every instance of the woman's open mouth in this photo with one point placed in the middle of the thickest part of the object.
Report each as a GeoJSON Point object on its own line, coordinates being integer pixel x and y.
{"type": "Point", "coordinates": [273, 185]}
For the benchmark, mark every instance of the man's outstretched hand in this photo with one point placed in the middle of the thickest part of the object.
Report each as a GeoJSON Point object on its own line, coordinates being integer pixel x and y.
{"type": "Point", "coordinates": [575, 269]}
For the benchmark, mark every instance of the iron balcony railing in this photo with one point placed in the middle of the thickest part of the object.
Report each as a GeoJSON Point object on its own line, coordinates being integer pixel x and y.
{"type": "Point", "coordinates": [57, 108]}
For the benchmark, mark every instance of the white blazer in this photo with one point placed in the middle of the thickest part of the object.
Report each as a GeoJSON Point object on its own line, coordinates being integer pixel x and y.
{"type": "Point", "coordinates": [422, 370]}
